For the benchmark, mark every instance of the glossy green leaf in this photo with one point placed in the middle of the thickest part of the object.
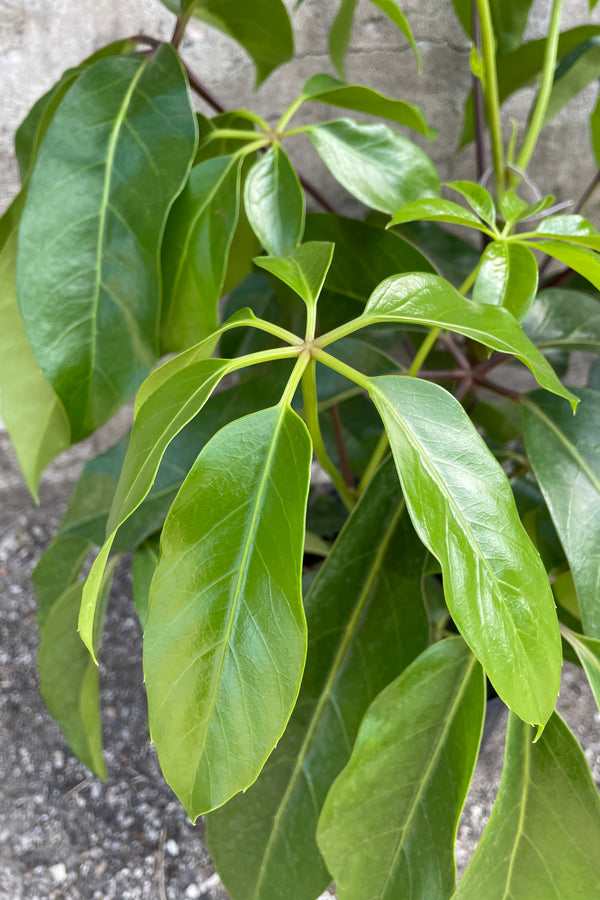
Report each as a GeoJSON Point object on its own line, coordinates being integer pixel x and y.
{"type": "Point", "coordinates": [429, 300]}
{"type": "Point", "coordinates": [564, 451]}
{"type": "Point", "coordinates": [195, 251]}
{"type": "Point", "coordinates": [304, 270]}
{"type": "Point", "coordinates": [263, 28]}
{"type": "Point", "coordinates": [225, 638]}
{"type": "Point", "coordinates": [340, 34]}
{"type": "Point", "coordinates": [98, 342]}
{"type": "Point", "coordinates": [33, 414]}
{"type": "Point", "coordinates": [274, 202]}
{"type": "Point", "coordinates": [572, 229]}
{"type": "Point", "coordinates": [564, 318]}
{"type": "Point", "coordinates": [514, 209]}
{"type": "Point", "coordinates": [406, 782]}
{"type": "Point", "coordinates": [507, 277]}
{"type": "Point", "coordinates": [366, 622]}
{"type": "Point", "coordinates": [57, 569]}
{"type": "Point", "coordinates": [325, 89]}
{"type": "Point", "coordinates": [588, 652]}
{"type": "Point", "coordinates": [479, 199]}
{"type": "Point", "coordinates": [145, 561]}
{"type": "Point", "coordinates": [438, 210]}
{"type": "Point", "coordinates": [543, 835]}
{"type": "Point", "coordinates": [463, 509]}
{"type": "Point", "coordinates": [382, 169]}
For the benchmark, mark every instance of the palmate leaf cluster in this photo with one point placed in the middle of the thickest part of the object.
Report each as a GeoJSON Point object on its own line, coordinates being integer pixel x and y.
{"type": "Point", "coordinates": [317, 662]}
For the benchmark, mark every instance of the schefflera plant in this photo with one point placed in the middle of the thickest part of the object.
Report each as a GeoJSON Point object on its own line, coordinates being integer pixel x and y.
{"type": "Point", "coordinates": [317, 664]}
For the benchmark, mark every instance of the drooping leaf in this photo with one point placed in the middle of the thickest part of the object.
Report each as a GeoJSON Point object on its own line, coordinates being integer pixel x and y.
{"type": "Point", "coordinates": [225, 638]}
{"type": "Point", "coordinates": [507, 277]}
{"type": "Point", "coordinates": [479, 199]}
{"type": "Point", "coordinates": [56, 570]}
{"type": "Point", "coordinates": [543, 835]}
{"type": "Point", "coordinates": [406, 782]}
{"type": "Point", "coordinates": [564, 318]}
{"type": "Point", "coordinates": [195, 251]}
{"type": "Point", "coordinates": [588, 652]}
{"type": "Point", "coordinates": [325, 89]}
{"type": "Point", "coordinates": [87, 274]}
{"type": "Point", "coordinates": [33, 414]}
{"type": "Point", "coordinates": [274, 202]}
{"type": "Point", "coordinates": [365, 622]}
{"type": "Point", "coordinates": [145, 561]}
{"type": "Point", "coordinates": [463, 510]}
{"type": "Point", "coordinates": [395, 14]}
{"type": "Point", "coordinates": [429, 300]}
{"type": "Point", "coordinates": [438, 210]}
{"type": "Point", "coordinates": [304, 270]}
{"type": "Point", "coordinates": [564, 451]}
{"type": "Point", "coordinates": [340, 34]}
{"type": "Point", "coordinates": [263, 28]}
{"type": "Point", "coordinates": [381, 168]}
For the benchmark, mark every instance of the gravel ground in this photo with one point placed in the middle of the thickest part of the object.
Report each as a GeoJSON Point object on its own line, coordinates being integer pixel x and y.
{"type": "Point", "coordinates": [67, 836]}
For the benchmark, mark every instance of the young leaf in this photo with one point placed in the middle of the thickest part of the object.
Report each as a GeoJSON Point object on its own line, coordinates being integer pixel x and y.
{"type": "Point", "coordinates": [225, 638]}
{"type": "Point", "coordinates": [33, 414]}
{"type": "Point", "coordinates": [565, 319]}
{"type": "Point", "coordinates": [580, 259]}
{"type": "Point", "coordinates": [438, 210]}
{"type": "Point", "coordinates": [406, 782]}
{"type": "Point", "coordinates": [543, 835]}
{"type": "Point", "coordinates": [274, 202]}
{"type": "Point", "coordinates": [588, 652]}
{"type": "Point", "coordinates": [87, 273]}
{"type": "Point", "coordinates": [382, 169]}
{"type": "Point", "coordinates": [564, 451]}
{"type": "Point", "coordinates": [479, 199]}
{"type": "Point", "coordinates": [463, 510]}
{"type": "Point", "coordinates": [572, 229]}
{"type": "Point", "coordinates": [429, 300]}
{"type": "Point", "coordinates": [195, 251]}
{"type": "Point", "coordinates": [507, 277]}
{"type": "Point", "coordinates": [365, 622]}
{"type": "Point", "coordinates": [304, 269]}
{"type": "Point", "coordinates": [325, 89]}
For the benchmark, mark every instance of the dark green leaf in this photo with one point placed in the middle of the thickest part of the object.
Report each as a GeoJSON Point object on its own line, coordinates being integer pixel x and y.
{"type": "Point", "coordinates": [340, 34]}
{"type": "Point", "coordinates": [544, 832]}
{"type": "Point", "coordinates": [438, 210]}
{"type": "Point", "coordinates": [325, 89]}
{"type": "Point", "coordinates": [382, 169]}
{"type": "Point", "coordinates": [578, 69]}
{"type": "Point", "coordinates": [463, 509]}
{"type": "Point", "coordinates": [452, 256]}
{"type": "Point", "coordinates": [406, 782]}
{"type": "Point", "coordinates": [225, 638]}
{"type": "Point", "coordinates": [56, 570]}
{"type": "Point", "coordinates": [393, 12]}
{"type": "Point", "coordinates": [564, 451]}
{"type": "Point", "coordinates": [87, 272]}
{"type": "Point", "coordinates": [304, 269]}
{"type": "Point", "coordinates": [145, 561]}
{"type": "Point", "coordinates": [564, 318]}
{"type": "Point", "coordinates": [509, 18]}
{"type": "Point", "coordinates": [588, 652]}
{"type": "Point", "coordinates": [366, 622]}
{"type": "Point", "coordinates": [507, 277]}
{"type": "Point", "coordinates": [274, 202]}
{"type": "Point", "coordinates": [210, 147]}
{"type": "Point", "coordinates": [195, 251]}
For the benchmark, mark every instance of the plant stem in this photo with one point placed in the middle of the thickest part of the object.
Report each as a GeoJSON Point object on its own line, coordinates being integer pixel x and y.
{"type": "Point", "coordinates": [180, 26]}
{"type": "Point", "coordinates": [423, 351]}
{"type": "Point", "coordinates": [491, 92]}
{"type": "Point", "coordinates": [538, 114]}
{"type": "Point", "coordinates": [377, 458]}
{"type": "Point", "coordinates": [478, 100]}
{"type": "Point", "coordinates": [336, 419]}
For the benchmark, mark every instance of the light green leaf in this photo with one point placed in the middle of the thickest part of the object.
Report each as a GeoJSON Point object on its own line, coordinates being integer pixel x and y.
{"type": "Point", "coordinates": [406, 782]}
{"type": "Point", "coordinates": [393, 12]}
{"type": "Point", "coordinates": [195, 251]}
{"type": "Point", "coordinates": [437, 210]}
{"type": "Point", "coordinates": [304, 270]}
{"type": "Point", "coordinates": [382, 169]}
{"type": "Point", "coordinates": [87, 268]}
{"type": "Point", "coordinates": [515, 209]}
{"type": "Point", "coordinates": [145, 561]}
{"type": "Point", "coordinates": [588, 652]}
{"type": "Point", "coordinates": [315, 545]}
{"type": "Point", "coordinates": [572, 229]}
{"type": "Point", "coordinates": [325, 89]}
{"type": "Point", "coordinates": [564, 318]}
{"type": "Point", "coordinates": [429, 300]}
{"type": "Point", "coordinates": [263, 28]}
{"type": "Point", "coordinates": [463, 510]}
{"type": "Point", "coordinates": [274, 202]}
{"type": "Point", "coordinates": [225, 638]}
{"type": "Point", "coordinates": [479, 199]}
{"type": "Point", "coordinates": [33, 414]}
{"type": "Point", "coordinates": [564, 451]}
{"type": "Point", "coordinates": [543, 835]}
{"type": "Point", "coordinates": [594, 121]}
{"type": "Point", "coordinates": [507, 277]}
{"type": "Point", "coordinates": [366, 622]}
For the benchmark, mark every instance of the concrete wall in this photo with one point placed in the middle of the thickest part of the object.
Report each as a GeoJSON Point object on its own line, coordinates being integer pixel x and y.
{"type": "Point", "coordinates": [40, 38]}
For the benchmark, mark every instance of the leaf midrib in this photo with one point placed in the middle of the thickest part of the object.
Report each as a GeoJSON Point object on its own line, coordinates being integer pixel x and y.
{"type": "Point", "coordinates": [522, 804]}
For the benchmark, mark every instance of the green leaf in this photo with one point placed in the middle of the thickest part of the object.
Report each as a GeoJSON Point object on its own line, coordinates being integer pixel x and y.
{"type": "Point", "coordinates": [429, 300]}
{"type": "Point", "coordinates": [32, 413]}
{"type": "Point", "coordinates": [588, 652]}
{"type": "Point", "coordinates": [393, 12]}
{"type": "Point", "coordinates": [365, 622]}
{"type": "Point", "coordinates": [274, 202]}
{"type": "Point", "coordinates": [479, 199]}
{"type": "Point", "coordinates": [452, 256]}
{"type": "Point", "coordinates": [405, 785]}
{"type": "Point", "coordinates": [463, 510]}
{"type": "Point", "coordinates": [572, 229]}
{"type": "Point", "coordinates": [225, 638]}
{"type": "Point", "coordinates": [195, 251]}
{"type": "Point", "coordinates": [145, 561]}
{"type": "Point", "coordinates": [594, 121]}
{"type": "Point", "coordinates": [578, 69]}
{"type": "Point", "coordinates": [263, 28]}
{"type": "Point", "coordinates": [543, 835]}
{"type": "Point", "coordinates": [382, 169]}
{"type": "Point", "coordinates": [325, 89]}
{"type": "Point", "coordinates": [564, 318]}
{"type": "Point", "coordinates": [507, 277]}
{"type": "Point", "coordinates": [304, 270]}
{"type": "Point", "coordinates": [509, 19]}
{"type": "Point", "coordinates": [437, 210]}
{"type": "Point", "coordinates": [56, 570]}
{"type": "Point", "coordinates": [340, 34]}
{"type": "Point", "coordinates": [69, 681]}
{"type": "Point", "coordinates": [87, 241]}
{"type": "Point", "coordinates": [564, 451]}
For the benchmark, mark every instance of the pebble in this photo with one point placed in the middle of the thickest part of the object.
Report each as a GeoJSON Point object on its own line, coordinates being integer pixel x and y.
{"type": "Point", "coordinates": [58, 873]}
{"type": "Point", "coordinates": [192, 892]}
{"type": "Point", "coordinates": [172, 848]}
